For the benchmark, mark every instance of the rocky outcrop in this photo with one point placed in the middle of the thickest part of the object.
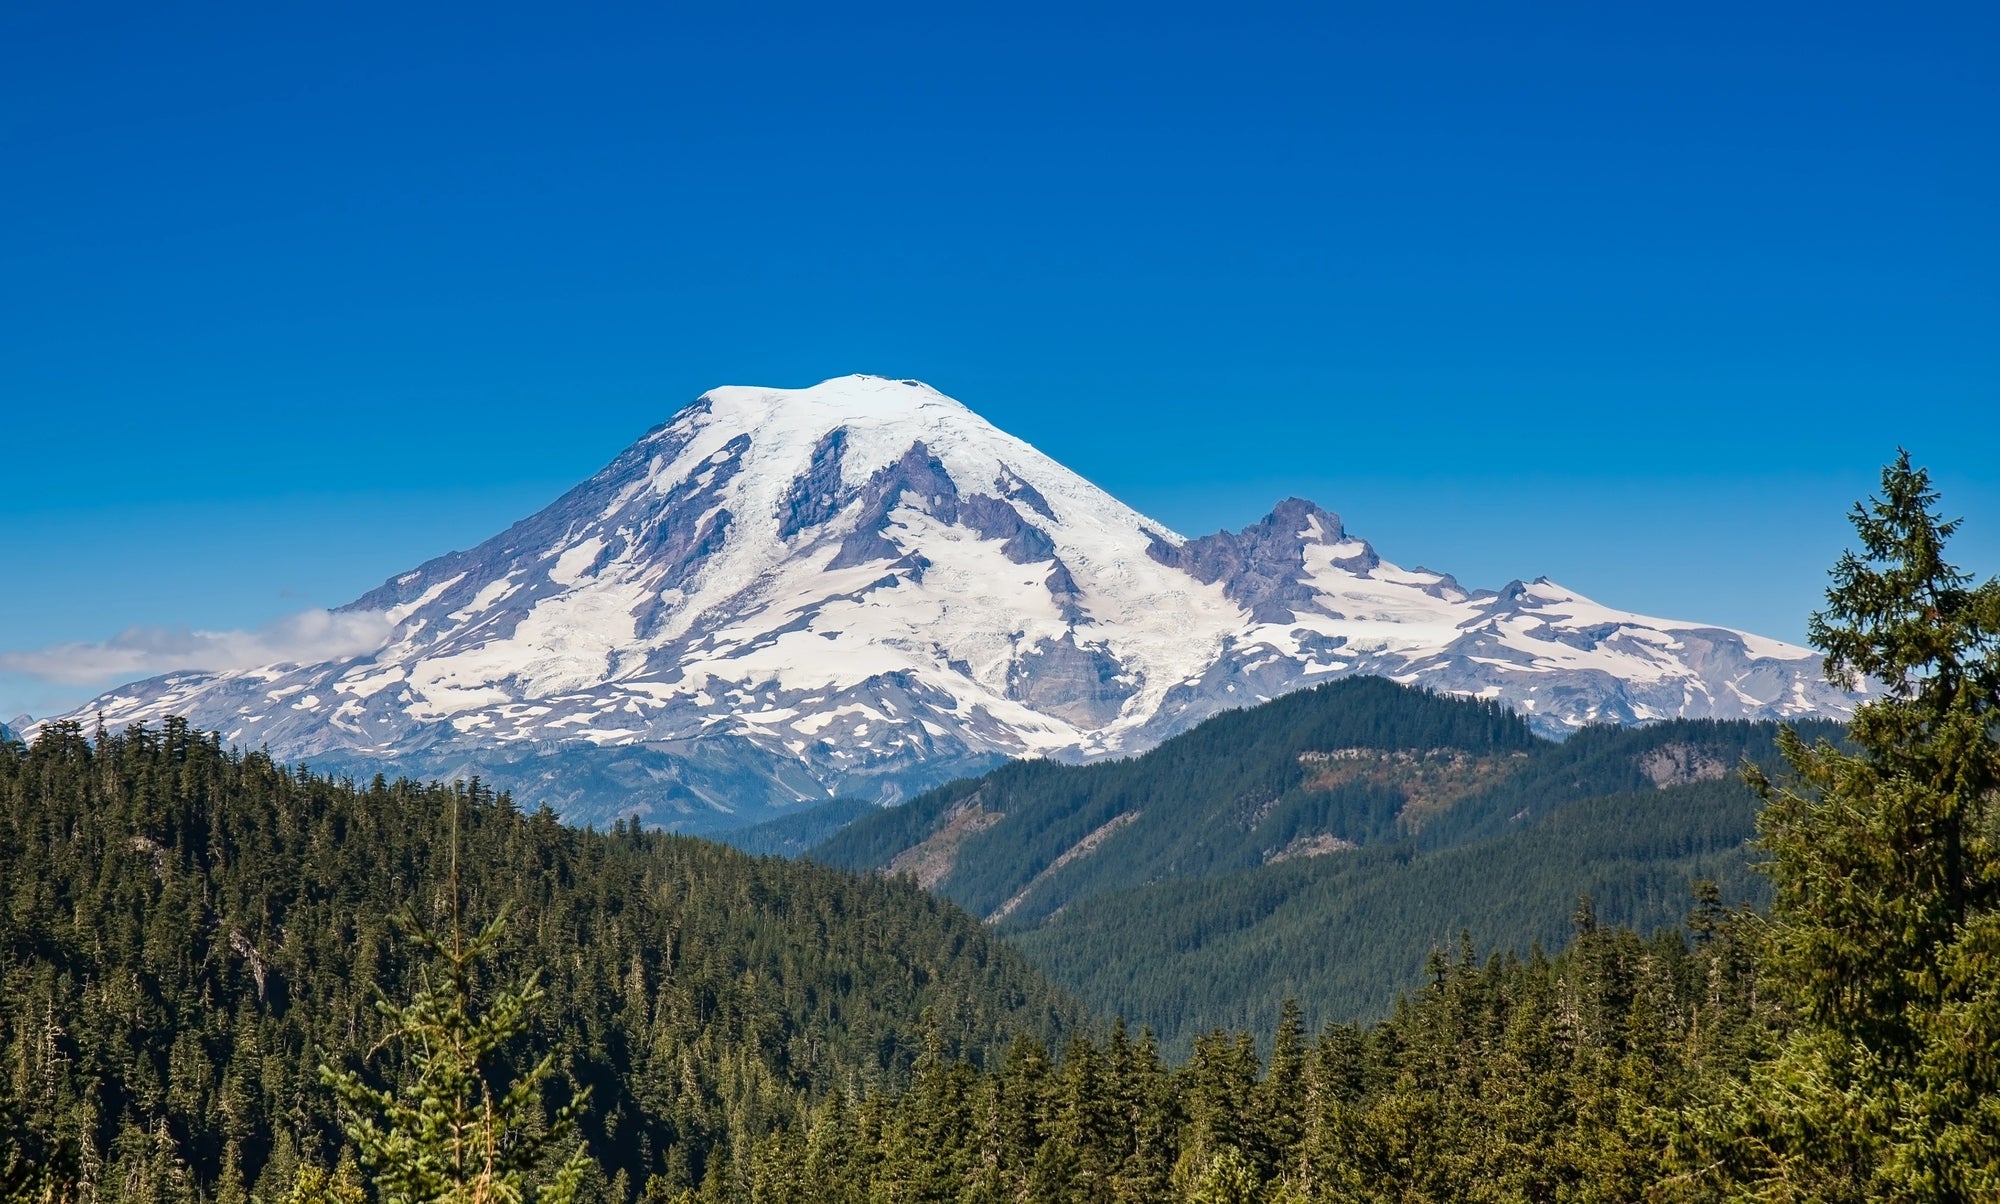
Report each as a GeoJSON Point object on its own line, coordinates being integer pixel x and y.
{"type": "Point", "coordinates": [1263, 567]}
{"type": "Point", "coordinates": [1679, 765]}
{"type": "Point", "coordinates": [1084, 684]}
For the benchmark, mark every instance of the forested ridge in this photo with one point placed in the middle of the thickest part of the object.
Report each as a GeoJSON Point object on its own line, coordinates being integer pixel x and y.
{"type": "Point", "coordinates": [1346, 935]}
{"type": "Point", "coordinates": [1189, 798]}
{"type": "Point", "coordinates": [188, 933]}
{"type": "Point", "coordinates": [1316, 846]}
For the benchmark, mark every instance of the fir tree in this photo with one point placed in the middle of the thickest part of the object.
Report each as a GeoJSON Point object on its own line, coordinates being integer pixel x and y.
{"type": "Point", "coordinates": [453, 1132]}
{"type": "Point", "coordinates": [1885, 930]}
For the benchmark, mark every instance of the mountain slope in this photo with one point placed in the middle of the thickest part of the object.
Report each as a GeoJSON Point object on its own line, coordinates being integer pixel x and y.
{"type": "Point", "coordinates": [187, 934]}
{"type": "Point", "coordinates": [1350, 933]}
{"type": "Point", "coordinates": [1316, 846]}
{"type": "Point", "coordinates": [863, 588]}
{"type": "Point", "coordinates": [796, 833]}
{"type": "Point", "coordinates": [1231, 794]}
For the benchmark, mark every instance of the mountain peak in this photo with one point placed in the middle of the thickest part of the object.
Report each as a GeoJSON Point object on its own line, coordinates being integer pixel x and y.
{"type": "Point", "coordinates": [862, 587]}
{"type": "Point", "coordinates": [841, 399]}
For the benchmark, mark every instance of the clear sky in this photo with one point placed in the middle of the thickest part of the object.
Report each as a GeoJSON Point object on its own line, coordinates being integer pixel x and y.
{"type": "Point", "coordinates": [1638, 297]}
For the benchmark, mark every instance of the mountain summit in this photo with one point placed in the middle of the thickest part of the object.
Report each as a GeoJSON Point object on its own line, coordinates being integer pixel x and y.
{"type": "Point", "coordinates": [863, 587]}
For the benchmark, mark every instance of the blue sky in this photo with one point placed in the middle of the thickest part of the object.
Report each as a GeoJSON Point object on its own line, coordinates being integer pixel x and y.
{"type": "Point", "coordinates": [1638, 297]}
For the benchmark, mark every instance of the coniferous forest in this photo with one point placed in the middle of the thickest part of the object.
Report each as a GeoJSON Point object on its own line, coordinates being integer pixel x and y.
{"type": "Point", "coordinates": [190, 933]}
{"type": "Point", "coordinates": [224, 979]}
{"type": "Point", "coordinates": [1317, 847]}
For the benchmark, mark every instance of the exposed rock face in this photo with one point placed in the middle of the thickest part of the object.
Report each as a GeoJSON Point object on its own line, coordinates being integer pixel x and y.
{"type": "Point", "coordinates": [1263, 567]}
{"type": "Point", "coordinates": [864, 588]}
{"type": "Point", "coordinates": [1085, 685]}
{"type": "Point", "coordinates": [818, 493]}
{"type": "Point", "coordinates": [932, 860]}
{"type": "Point", "coordinates": [1320, 845]}
{"type": "Point", "coordinates": [1680, 764]}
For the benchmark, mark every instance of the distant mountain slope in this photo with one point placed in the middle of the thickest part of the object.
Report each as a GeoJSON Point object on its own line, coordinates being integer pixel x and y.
{"type": "Point", "coordinates": [796, 833]}
{"type": "Point", "coordinates": [1348, 934]}
{"type": "Point", "coordinates": [1234, 793]}
{"type": "Point", "coordinates": [863, 588]}
{"type": "Point", "coordinates": [1317, 845]}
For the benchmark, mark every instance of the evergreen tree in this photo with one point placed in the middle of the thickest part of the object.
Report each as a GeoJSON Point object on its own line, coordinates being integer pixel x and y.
{"type": "Point", "coordinates": [36, 1167]}
{"type": "Point", "coordinates": [1885, 930]}
{"type": "Point", "coordinates": [454, 1132]}
{"type": "Point", "coordinates": [317, 1186]}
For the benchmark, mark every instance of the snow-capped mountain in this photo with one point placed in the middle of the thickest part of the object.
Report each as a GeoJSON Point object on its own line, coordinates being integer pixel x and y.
{"type": "Point", "coordinates": [864, 587]}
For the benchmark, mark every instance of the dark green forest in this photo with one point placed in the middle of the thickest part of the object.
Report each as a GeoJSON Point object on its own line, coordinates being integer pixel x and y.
{"type": "Point", "coordinates": [188, 933]}
{"type": "Point", "coordinates": [1535, 1079]}
{"type": "Point", "coordinates": [225, 980]}
{"type": "Point", "coordinates": [1351, 933]}
{"type": "Point", "coordinates": [1442, 816]}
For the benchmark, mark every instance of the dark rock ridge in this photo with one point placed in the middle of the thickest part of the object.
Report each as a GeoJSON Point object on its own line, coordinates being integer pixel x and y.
{"type": "Point", "coordinates": [1263, 566]}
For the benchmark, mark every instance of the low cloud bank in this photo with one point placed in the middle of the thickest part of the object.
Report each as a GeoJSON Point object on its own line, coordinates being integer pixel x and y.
{"type": "Point", "coordinates": [312, 635]}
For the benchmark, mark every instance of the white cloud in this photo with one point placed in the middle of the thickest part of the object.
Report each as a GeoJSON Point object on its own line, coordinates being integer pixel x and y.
{"type": "Point", "coordinates": [312, 635]}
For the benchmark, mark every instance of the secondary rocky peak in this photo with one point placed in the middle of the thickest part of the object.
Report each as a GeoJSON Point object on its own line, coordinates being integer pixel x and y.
{"type": "Point", "coordinates": [1306, 520]}
{"type": "Point", "coordinates": [1263, 566]}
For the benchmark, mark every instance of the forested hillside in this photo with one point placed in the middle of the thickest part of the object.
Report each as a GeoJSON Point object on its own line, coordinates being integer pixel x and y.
{"type": "Point", "coordinates": [186, 934]}
{"type": "Point", "coordinates": [1571, 1078]}
{"type": "Point", "coordinates": [1349, 934]}
{"type": "Point", "coordinates": [793, 835]}
{"type": "Point", "coordinates": [1317, 846]}
{"type": "Point", "coordinates": [1226, 796]}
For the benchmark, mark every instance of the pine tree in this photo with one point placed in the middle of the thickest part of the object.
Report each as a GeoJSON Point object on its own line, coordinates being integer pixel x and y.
{"type": "Point", "coordinates": [453, 1132]}
{"type": "Point", "coordinates": [1281, 1097]}
{"type": "Point", "coordinates": [1218, 1087]}
{"type": "Point", "coordinates": [1885, 930]}
{"type": "Point", "coordinates": [1229, 1178]}
{"type": "Point", "coordinates": [317, 1186]}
